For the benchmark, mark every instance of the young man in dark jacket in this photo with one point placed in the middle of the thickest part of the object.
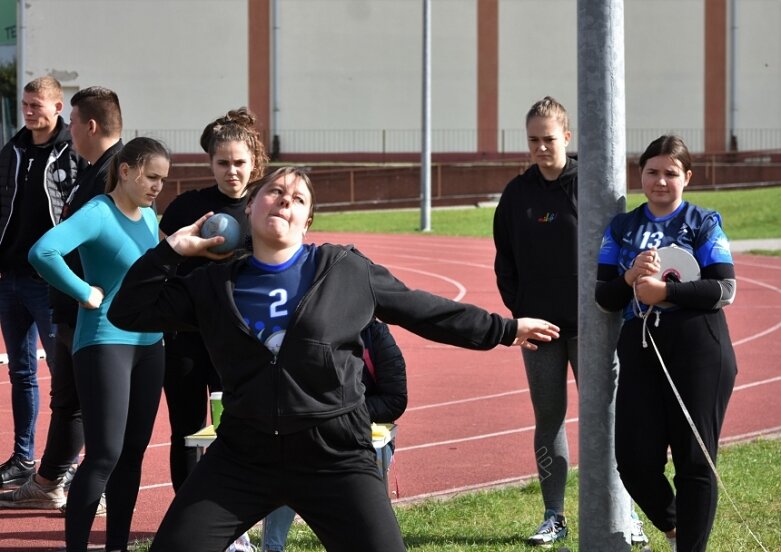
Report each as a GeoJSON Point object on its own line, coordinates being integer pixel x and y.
{"type": "Point", "coordinates": [38, 168]}
{"type": "Point", "coordinates": [96, 128]}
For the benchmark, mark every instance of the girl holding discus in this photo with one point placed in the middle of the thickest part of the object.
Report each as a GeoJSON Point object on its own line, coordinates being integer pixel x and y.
{"type": "Point", "coordinates": [688, 326]}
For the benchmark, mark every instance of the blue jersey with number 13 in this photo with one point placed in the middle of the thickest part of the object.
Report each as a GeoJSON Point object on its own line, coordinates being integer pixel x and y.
{"type": "Point", "coordinates": [690, 227]}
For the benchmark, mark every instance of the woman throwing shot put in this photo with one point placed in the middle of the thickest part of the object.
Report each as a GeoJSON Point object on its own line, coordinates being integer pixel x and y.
{"type": "Point", "coordinates": [283, 328]}
{"type": "Point", "coordinates": [118, 373]}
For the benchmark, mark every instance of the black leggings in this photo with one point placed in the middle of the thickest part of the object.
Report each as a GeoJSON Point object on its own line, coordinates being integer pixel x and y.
{"type": "Point", "coordinates": [697, 352]}
{"type": "Point", "coordinates": [189, 377]}
{"type": "Point", "coordinates": [328, 474]}
{"type": "Point", "coordinates": [119, 388]}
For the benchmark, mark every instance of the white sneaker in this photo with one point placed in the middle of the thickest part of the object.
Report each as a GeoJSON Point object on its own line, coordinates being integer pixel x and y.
{"type": "Point", "coordinates": [101, 511]}
{"type": "Point", "coordinates": [671, 541]}
{"type": "Point", "coordinates": [637, 536]}
{"type": "Point", "coordinates": [553, 528]}
{"type": "Point", "coordinates": [34, 496]}
{"type": "Point", "coordinates": [242, 544]}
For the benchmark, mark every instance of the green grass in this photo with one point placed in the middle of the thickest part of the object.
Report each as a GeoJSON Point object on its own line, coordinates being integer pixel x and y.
{"type": "Point", "coordinates": [500, 520]}
{"type": "Point", "coordinates": [765, 252]}
{"type": "Point", "coordinates": [747, 214]}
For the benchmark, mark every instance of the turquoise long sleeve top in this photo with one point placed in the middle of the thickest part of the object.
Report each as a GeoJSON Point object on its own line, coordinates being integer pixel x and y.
{"type": "Point", "coordinates": [108, 243]}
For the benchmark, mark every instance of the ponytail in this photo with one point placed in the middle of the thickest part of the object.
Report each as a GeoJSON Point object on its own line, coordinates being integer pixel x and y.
{"type": "Point", "coordinates": [135, 153]}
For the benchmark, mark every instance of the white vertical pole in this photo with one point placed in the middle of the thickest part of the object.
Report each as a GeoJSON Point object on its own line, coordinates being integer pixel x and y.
{"type": "Point", "coordinates": [275, 77]}
{"type": "Point", "coordinates": [425, 157]}
{"type": "Point", "coordinates": [733, 75]}
{"type": "Point", "coordinates": [21, 60]}
{"type": "Point", "coordinates": [604, 504]}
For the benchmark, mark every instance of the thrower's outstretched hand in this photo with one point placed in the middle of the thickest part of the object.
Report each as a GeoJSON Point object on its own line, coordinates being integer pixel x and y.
{"type": "Point", "coordinates": [534, 329]}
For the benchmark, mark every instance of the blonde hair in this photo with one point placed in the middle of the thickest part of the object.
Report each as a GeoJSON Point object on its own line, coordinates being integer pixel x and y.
{"type": "Point", "coordinates": [48, 85]}
{"type": "Point", "coordinates": [548, 107]}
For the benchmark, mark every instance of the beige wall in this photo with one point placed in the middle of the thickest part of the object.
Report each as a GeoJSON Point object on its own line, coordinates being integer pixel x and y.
{"type": "Point", "coordinates": [356, 65]}
{"type": "Point", "coordinates": [175, 64]}
{"type": "Point", "coordinates": [350, 70]}
{"type": "Point", "coordinates": [758, 86]}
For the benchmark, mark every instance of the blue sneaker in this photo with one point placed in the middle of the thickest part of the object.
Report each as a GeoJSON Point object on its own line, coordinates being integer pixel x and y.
{"type": "Point", "coordinates": [553, 528]}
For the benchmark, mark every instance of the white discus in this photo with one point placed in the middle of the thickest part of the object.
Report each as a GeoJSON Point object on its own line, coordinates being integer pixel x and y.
{"type": "Point", "coordinates": [677, 265]}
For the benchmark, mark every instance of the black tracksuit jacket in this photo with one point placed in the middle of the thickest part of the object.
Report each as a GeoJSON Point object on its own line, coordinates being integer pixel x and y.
{"type": "Point", "coordinates": [536, 239]}
{"type": "Point", "coordinates": [317, 372]}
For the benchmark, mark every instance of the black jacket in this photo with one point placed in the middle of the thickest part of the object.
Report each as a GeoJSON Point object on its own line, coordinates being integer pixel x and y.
{"type": "Point", "coordinates": [317, 372]}
{"type": "Point", "coordinates": [59, 177]}
{"type": "Point", "coordinates": [535, 233]}
{"type": "Point", "coordinates": [386, 384]}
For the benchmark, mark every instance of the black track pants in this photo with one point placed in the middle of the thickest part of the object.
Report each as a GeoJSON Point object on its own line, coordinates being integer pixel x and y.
{"type": "Point", "coordinates": [696, 349]}
{"type": "Point", "coordinates": [328, 474]}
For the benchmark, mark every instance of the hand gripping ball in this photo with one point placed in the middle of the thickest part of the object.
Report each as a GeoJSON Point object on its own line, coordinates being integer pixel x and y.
{"type": "Point", "coordinates": [223, 225]}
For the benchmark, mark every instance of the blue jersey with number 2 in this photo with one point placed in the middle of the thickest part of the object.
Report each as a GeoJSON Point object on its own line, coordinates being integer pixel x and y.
{"type": "Point", "coordinates": [267, 295]}
{"type": "Point", "coordinates": [692, 228]}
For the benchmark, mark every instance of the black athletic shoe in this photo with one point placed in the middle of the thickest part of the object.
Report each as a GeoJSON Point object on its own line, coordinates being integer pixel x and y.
{"type": "Point", "coordinates": [15, 471]}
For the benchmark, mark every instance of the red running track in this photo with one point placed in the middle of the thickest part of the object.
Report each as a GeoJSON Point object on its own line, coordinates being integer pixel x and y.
{"type": "Point", "coordinates": [469, 423]}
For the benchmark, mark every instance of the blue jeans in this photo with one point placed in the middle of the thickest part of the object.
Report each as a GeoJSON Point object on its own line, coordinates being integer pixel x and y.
{"type": "Point", "coordinates": [24, 306]}
{"type": "Point", "coordinates": [276, 527]}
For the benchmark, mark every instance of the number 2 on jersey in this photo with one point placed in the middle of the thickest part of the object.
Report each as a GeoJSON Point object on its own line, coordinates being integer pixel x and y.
{"type": "Point", "coordinates": [276, 308]}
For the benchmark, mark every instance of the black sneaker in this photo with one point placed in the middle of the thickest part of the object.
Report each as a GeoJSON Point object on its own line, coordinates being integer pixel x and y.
{"type": "Point", "coordinates": [16, 471]}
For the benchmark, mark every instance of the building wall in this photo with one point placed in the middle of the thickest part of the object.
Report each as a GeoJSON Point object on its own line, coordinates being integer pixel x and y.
{"type": "Point", "coordinates": [175, 64]}
{"type": "Point", "coordinates": [664, 60]}
{"type": "Point", "coordinates": [355, 67]}
{"type": "Point", "coordinates": [349, 72]}
{"type": "Point", "coordinates": [757, 112]}
{"type": "Point", "coordinates": [537, 58]}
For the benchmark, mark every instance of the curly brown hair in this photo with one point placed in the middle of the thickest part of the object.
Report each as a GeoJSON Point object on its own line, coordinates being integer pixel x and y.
{"type": "Point", "coordinates": [237, 125]}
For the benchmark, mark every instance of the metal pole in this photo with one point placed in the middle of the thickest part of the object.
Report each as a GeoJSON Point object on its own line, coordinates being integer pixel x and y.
{"type": "Point", "coordinates": [604, 504]}
{"type": "Point", "coordinates": [275, 78]}
{"type": "Point", "coordinates": [733, 75]}
{"type": "Point", "coordinates": [425, 156]}
{"type": "Point", "coordinates": [21, 60]}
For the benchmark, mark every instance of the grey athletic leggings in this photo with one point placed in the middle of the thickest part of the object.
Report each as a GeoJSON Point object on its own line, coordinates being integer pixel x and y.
{"type": "Point", "coordinates": [546, 372]}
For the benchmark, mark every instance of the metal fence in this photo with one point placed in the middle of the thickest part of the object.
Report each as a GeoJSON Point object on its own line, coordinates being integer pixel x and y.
{"type": "Point", "coordinates": [390, 141]}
